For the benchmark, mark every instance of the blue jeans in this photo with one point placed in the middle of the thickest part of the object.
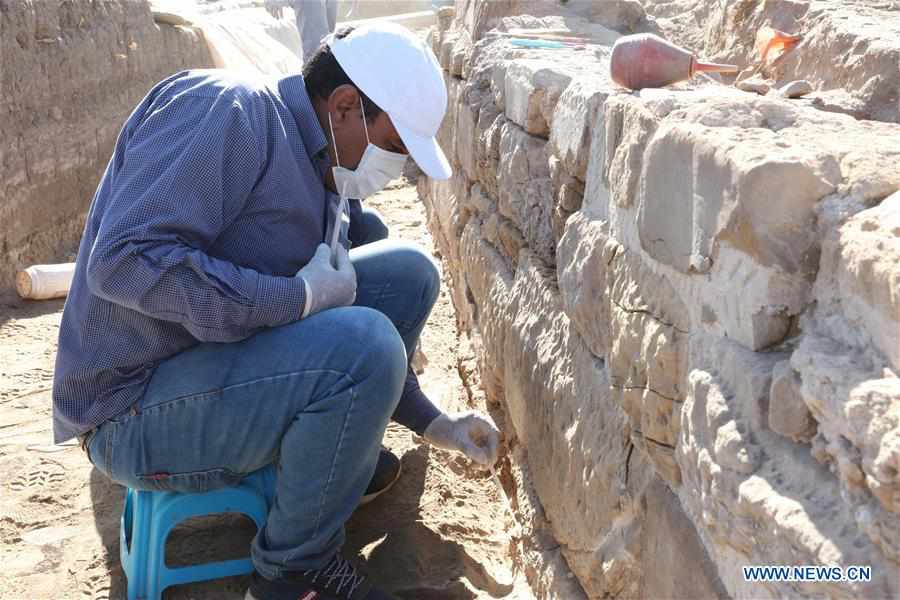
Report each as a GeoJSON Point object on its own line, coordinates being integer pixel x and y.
{"type": "Point", "coordinates": [314, 397]}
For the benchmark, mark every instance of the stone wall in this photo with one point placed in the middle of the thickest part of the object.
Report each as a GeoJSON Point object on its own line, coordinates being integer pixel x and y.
{"type": "Point", "coordinates": [71, 74]}
{"type": "Point", "coordinates": [682, 306]}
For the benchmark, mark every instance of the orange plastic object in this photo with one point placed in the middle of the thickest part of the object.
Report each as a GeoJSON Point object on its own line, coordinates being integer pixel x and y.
{"type": "Point", "coordinates": [774, 43]}
{"type": "Point", "coordinates": [645, 60]}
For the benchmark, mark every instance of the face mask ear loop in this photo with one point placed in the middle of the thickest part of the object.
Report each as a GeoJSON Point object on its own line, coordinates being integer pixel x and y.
{"type": "Point", "coordinates": [365, 128]}
{"type": "Point", "coordinates": [333, 143]}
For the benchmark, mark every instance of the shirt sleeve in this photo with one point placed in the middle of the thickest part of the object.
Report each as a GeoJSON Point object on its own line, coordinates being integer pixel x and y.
{"type": "Point", "coordinates": [414, 411]}
{"type": "Point", "coordinates": [187, 171]}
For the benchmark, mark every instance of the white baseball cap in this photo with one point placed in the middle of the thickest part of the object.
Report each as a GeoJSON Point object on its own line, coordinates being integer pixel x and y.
{"type": "Point", "coordinates": [399, 73]}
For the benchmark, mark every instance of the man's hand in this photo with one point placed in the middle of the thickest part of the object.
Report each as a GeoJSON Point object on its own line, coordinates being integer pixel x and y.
{"type": "Point", "coordinates": [328, 286]}
{"type": "Point", "coordinates": [471, 433]}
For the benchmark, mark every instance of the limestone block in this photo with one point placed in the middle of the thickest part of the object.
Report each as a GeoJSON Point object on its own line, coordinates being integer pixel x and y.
{"type": "Point", "coordinates": [445, 16]}
{"type": "Point", "coordinates": [570, 197]}
{"type": "Point", "coordinates": [857, 405]}
{"type": "Point", "coordinates": [868, 274]}
{"type": "Point", "coordinates": [568, 190]}
{"type": "Point", "coordinates": [704, 183]}
{"type": "Point", "coordinates": [532, 88]}
{"type": "Point", "coordinates": [649, 327]}
{"type": "Point", "coordinates": [487, 148]}
{"type": "Point", "coordinates": [471, 101]}
{"type": "Point", "coordinates": [574, 117]}
{"type": "Point", "coordinates": [647, 353]}
{"type": "Point", "coordinates": [622, 15]}
{"type": "Point", "coordinates": [669, 544]}
{"type": "Point", "coordinates": [788, 414]}
{"type": "Point", "coordinates": [701, 184]}
{"type": "Point", "coordinates": [542, 561]}
{"type": "Point", "coordinates": [448, 41]}
{"type": "Point", "coordinates": [581, 272]}
{"type": "Point", "coordinates": [661, 456]}
{"type": "Point", "coordinates": [559, 404]}
{"type": "Point", "coordinates": [511, 240]}
{"type": "Point", "coordinates": [459, 54]}
{"type": "Point", "coordinates": [596, 191]}
{"type": "Point", "coordinates": [747, 374]}
{"type": "Point", "coordinates": [757, 497]}
{"type": "Point", "coordinates": [626, 130]}
{"type": "Point", "coordinates": [485, 282]}
{"type": "Point", "coordinates": [446, 136]}
{"type": "Point", "coordinates": [524, 189]}
{"type": "Point", "coordinates": [477, 202]}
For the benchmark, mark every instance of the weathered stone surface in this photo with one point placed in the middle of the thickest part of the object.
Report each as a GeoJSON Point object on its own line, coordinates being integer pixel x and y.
{"type": "Point", "coordinates": [669, 542]}
{"type": "Point", "coordinates": [850, 45]}
{"type": "Point", "coordinates": [72, 72]}
{"type": "Point", "coordinates": [525, 191]}
{"type": "Point", "coordinates": [788, 414]}
{"type": "Point", "coordinates": [472, 101]}
{"type": "Point", "coordinates": [868, 274]}
{"type": "Point", "coordinates": [446, 137]}
{"type": "Point", "coordinates": [558, 400]}
{"type": "Point", "coordinates": [626, 130]}
{"type": "Point", "coordinates": [757, 498]}
{"type": "Point", "coordinates": [445, 56]}
{"type": "Point", "coordinates": [626, 16]}
{"type": "Point", "coordinates": [581, 270]}
{"type": "Point", "coordinates": [531, 91]}
{"type": "Point", "coordinates": [648, 352]}
{"type": "Point", "coordinates": [857, 406]}
{"type": "Point", "coordinates": [748, 374]}
{"type": "Point", "coordinates": [707, 174]}
{"type": "Point", "coordinates": [575, 116]}
{"type": "Point", "coordinates": [700, 286]}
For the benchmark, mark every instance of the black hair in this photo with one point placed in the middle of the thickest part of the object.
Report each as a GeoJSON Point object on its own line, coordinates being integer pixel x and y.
{"type": "Point", "coordinates": [322, 75]}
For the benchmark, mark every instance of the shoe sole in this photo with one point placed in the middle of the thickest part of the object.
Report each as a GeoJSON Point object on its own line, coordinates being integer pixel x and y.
{"type": "Point", "coordinates": [369, 497]}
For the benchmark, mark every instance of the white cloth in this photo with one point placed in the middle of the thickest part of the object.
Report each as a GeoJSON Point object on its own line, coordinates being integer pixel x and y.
{"type": "Point", "coordinates": [315, 20]}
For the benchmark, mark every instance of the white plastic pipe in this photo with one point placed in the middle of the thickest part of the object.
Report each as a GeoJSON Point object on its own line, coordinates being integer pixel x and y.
{"type": "Point", "coordinates": [43, 282]}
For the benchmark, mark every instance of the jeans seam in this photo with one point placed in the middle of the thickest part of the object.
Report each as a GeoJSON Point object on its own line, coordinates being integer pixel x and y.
{"type": "Point", "coordinates": [110, 444]}
{"type": "Point", "coordinates": [269, 378]}
{"type": "Point", "coordinates": [331, 473]}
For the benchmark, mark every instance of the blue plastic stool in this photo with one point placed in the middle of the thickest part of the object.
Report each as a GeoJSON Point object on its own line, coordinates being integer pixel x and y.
{"type": "Point", "coordinates": [149, 517]}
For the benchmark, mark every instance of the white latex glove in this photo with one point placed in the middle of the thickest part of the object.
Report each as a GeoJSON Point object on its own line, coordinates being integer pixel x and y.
{"type": "Point", "coordinates": [328, 286]}
{"type": "Point", "coordinates": [471, 433]}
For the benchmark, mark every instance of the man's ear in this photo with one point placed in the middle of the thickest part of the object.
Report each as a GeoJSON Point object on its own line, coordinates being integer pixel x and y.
{"type": "Point", "coordinates": [343, 100]}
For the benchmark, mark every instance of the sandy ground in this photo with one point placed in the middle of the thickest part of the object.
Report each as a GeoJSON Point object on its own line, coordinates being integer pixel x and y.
{"type": "Point", "coordinates": [440, 533]}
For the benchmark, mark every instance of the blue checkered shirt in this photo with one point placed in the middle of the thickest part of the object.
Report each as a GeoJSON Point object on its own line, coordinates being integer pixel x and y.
{"type": "Point", "coordinates": [212, 201]}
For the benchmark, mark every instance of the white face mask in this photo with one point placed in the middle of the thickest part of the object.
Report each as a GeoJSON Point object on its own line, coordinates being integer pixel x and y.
{"type": "Point", "coordinates": [376, 168]}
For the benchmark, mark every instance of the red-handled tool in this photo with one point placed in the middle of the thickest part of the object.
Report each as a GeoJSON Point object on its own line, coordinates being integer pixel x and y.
{"type": "Point", "coordinates": [645, 60]}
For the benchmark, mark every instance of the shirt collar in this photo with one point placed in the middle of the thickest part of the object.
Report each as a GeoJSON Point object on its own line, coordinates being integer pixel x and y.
{"type": "Point", "coordinates": [293, 93]}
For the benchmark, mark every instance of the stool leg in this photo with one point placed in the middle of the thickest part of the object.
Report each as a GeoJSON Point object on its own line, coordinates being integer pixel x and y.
{"type": "Point", "coordinates": [156, 554]}
{"type": "Point", "coordinates": [142, 513]}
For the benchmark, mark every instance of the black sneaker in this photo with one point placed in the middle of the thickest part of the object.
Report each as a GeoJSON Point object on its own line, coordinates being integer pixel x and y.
{"type": "Point", "coordinates": [338, 580]}
{"type": "Point", "coordinates": [387, 472]}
